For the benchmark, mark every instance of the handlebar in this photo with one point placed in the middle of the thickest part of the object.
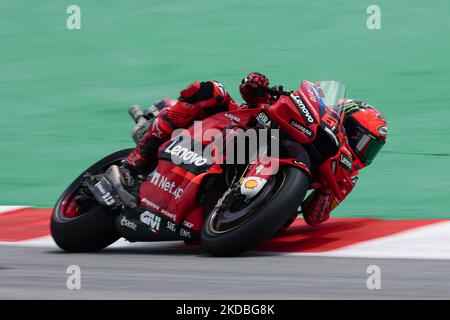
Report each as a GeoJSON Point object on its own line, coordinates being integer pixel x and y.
{"type": "Point", "coordinates": [136, 113]}
{"type": "Point", "coordinates": [277, 91]}
{"type": "Point", "coordinates": [142, 120]}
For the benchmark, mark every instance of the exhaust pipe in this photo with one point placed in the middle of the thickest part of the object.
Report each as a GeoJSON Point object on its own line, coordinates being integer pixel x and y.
{"type": "Point", "coordinates": [113, 176]}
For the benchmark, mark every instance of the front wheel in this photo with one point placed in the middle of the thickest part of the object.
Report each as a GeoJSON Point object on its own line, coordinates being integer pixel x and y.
{"type": "Point", "coordinates": [240, 226]}
{"type": "Point", "coordinates": [80, 224]}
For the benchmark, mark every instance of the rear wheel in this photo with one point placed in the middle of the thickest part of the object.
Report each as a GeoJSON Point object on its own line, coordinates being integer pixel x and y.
{"type": "Point", "coordinates": [238, 225]}
{"type": "Point", "coordinates": [79, 223]}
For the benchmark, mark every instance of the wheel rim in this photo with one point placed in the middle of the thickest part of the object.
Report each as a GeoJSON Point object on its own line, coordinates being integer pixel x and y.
{"type": "Point", "coordinates": [224, 220]}
{"type": "Point", "coordinates": [71, 209]}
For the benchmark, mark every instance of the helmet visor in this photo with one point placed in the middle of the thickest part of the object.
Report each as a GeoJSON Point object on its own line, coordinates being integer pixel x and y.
{"type": "Point", "coordinates": [365, 145]}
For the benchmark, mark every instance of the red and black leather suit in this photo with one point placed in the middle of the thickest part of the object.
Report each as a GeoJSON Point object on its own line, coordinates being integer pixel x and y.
{"type": "Point", "coordinates": [196, 102]}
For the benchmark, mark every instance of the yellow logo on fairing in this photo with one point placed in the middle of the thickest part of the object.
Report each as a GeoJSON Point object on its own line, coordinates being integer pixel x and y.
{"type": "Point", "coordinates": [251, 184]}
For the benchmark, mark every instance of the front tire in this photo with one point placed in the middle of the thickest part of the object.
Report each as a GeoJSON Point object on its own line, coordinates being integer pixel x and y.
{"type": "Point", "coordinates": [277, 206]}
{"type": "Point", "coordinates": [89, 229]}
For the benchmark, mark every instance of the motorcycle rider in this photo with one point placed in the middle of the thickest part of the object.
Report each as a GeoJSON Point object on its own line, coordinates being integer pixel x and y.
{"type": "Point", "coordinates": [196, 102]}
{"type": "Point", "coordinates": [364, 133]}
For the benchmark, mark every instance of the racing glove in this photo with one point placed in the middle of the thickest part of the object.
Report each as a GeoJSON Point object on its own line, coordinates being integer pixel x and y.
{"type": "Point", "coordinates": [317, 207]}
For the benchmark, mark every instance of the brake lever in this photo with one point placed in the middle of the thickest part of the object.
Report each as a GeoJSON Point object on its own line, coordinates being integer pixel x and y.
{"type": "Point", "coordinates": [278, 91]}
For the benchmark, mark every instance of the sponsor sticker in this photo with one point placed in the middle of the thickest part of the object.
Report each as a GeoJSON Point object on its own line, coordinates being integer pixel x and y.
{"type": "Point", "coordinates": [382, 130]}
{"type": "Point", "coordinates": [301, 128]}
{"type": "Point", "coordinates": [232, 117]}
{"type": "Point", "coordinates": [324, 205]}
{"type": "Point", "coordinates": [188, 224]}
{"type": "Point", "coordinates": [127, 223]}
{"type": "Point", "coordinates": [263, 119]}
{"type": "Point", "coordinates": [311, 93]}
{"type": "Point", "coordinates": [166, 185]}
{"type": "Point", "coordinates": [251, 184]}
{"type": "Point", "coordinates": [304, 111]}
{"type": "Point", "coordinates": [106, 196]}
{"type": "Point", "coordinates": [187, 154]}
{"type": "Point", "coordinates": [184, 154]}
{"type": "Point", "coordinates": [333, 166]}
{"type": "Point", "coordinates": [151, 220]}
{"type": "Point", "coordinates": [185, 233]}
{"type": "Point", "coordinates": [302, 165]}
{"type": "Point", "coordinates": [149, 204]}
{"type": "Point", "coordinates": [171, 226]}
{"type": "Point", "coordinates": [299, 162]}
{"type": "Point", "coordinates": [346, 162]}
{"type": "Point", "coordinates": [168, 214]}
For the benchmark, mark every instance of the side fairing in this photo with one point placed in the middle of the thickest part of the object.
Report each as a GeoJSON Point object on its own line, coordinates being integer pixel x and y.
{"type": "Point", "coordinates": [304, 112]}
{"type": "Point", "coordinates": [184, 161]}
{"type": "Point", "coordinates": [299, 114]}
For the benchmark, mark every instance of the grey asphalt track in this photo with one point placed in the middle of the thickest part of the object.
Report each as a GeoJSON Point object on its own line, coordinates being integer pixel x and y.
{"type": "Point", "coordinates": [149, 273]}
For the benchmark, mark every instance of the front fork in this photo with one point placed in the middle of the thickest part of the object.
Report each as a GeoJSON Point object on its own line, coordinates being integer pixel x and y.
{"type": "Point", "coordinates": [233, 191]}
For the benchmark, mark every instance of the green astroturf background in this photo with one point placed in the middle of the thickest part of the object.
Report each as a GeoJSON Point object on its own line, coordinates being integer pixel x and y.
{"type": "Point", "coordinates": [64, 94]}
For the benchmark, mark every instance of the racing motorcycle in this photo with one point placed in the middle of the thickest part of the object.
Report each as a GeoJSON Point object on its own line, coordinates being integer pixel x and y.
{"type": "Point", "coordinates": [193, 193]}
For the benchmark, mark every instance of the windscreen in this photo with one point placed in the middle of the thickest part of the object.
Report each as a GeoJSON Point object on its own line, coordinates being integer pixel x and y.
{"type": "Point", "coordinates": [333, 92]}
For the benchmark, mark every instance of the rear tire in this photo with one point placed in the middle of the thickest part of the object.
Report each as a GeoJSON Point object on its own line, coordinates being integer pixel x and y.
{"type": "Point", "coordinates": [94, 229]}
{"type": "Point", "coordinates": [270, 218]}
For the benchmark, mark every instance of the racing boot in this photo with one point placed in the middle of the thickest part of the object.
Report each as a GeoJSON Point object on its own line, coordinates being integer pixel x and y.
{"type": "Point", "coordinates": [136, 166]}
{"type": "Point", "coordinates": [145, 156]}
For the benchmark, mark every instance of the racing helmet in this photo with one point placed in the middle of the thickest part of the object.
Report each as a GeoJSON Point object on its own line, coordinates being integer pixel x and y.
{"type": "Point", "coordinates": [366, 129]}
{"type": "Point", "coordinates": [253, 88]}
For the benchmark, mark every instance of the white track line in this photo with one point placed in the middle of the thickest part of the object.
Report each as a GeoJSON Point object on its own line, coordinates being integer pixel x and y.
{"type": "Point", "coordinates": [42, 242]}
{"type": "Point", "coordinates": [47, 242]}
{"type": "Point", "coordinates": [5, 209]}
{"type": "Point", "coordinates": [428, 242]}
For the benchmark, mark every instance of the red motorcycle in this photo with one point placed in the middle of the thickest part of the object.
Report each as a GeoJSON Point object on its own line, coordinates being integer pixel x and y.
{"type": "Point", "coordinates": [201, 189]}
